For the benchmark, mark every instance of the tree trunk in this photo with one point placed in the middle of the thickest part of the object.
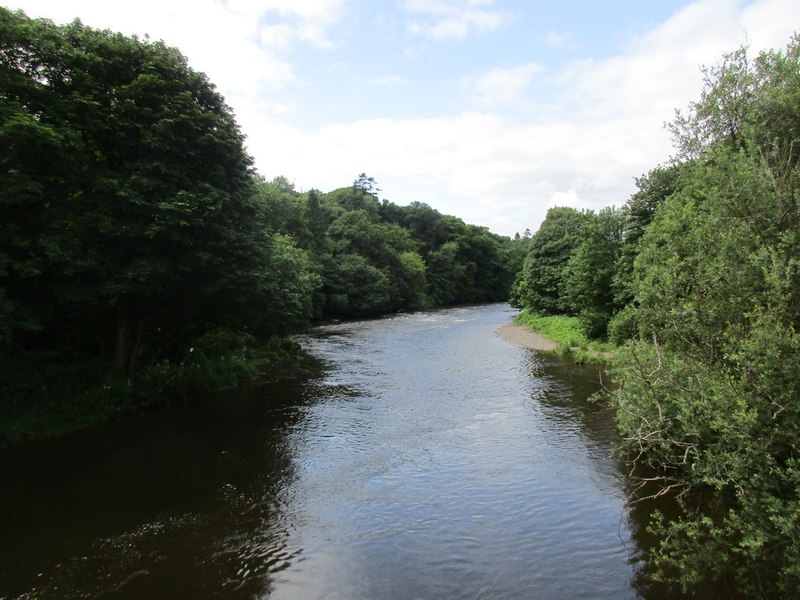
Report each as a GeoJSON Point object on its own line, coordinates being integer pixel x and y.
{"type": "Point", "coordinates": [137, 345]}
{"type": "Point", "coordinates": [121, 343]}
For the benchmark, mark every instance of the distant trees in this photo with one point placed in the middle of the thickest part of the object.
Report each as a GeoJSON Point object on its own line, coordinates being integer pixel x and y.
{"type": "Point", "coordinates": [580, 263]}
{"type": "Point", "coordinates": [374, 256]}
{"type": "Point", "coordinates": [590, 278]}
{"type": "Point", "coordinates": [540, 285]}
{"type": "Point", "coordinates": [566, 268]}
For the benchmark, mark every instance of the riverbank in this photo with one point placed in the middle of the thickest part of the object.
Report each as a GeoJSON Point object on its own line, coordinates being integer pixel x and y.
{"type": "Point", "coordinates": [522, 336]}
{"type": "Point", "coordinates": [559, 333]}
{"type": "Point", "coordinates": [45, 395]}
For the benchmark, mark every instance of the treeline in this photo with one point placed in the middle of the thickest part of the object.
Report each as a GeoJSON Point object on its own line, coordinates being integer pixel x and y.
{"type": "Point", "coordinates": [698, 276]}
{"type": "Point", "coordinates": [141, 253]}
{"type": "Point", "coordinates": [368, 256]}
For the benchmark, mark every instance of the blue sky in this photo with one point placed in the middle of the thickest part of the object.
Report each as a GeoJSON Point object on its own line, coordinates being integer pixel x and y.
{"type": "Point", "coordinates": [490, 110]}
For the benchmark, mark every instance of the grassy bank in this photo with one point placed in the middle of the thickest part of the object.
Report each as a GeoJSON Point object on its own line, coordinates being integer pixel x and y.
{"type": "Point", "coordinates": [568, 334]}
{"type": "Point", "coordinates": [51, 394]}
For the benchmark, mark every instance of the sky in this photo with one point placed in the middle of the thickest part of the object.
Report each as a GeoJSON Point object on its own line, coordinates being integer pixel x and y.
{"type": "Point", "coordinates": [490, 110]}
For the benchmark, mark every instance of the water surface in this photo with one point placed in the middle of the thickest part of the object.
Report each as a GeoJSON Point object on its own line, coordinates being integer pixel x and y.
{"type": "Point", "coordinates": [419, 456]}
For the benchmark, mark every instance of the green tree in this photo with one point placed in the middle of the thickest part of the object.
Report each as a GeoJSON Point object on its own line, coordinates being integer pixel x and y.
{"type": "Point", "coordinates": [708, 394]}
{"type": "Point", "coordinates": [127, 207]}
{"type": "Point", "coordinates": [353, 287]}
{"type": "Point", "coordinates": [590, 272]}
{"type": "Point", "coordinates": [488, 261]}
{"type": "Point", "coordinates": [540, 285]}
{"type": "Point", "coordinates": [367, 185]}
{"type": "Point", "coordinates": [428, 226]}
{"type": "Point", "coordinates": [448, 277]}
{"type": "Point", "coordinates": [413, 284]}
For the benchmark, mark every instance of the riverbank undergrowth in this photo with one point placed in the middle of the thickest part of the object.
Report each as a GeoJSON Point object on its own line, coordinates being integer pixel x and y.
{"type": "Point", "coordinates": [567, 332]}
{"type": "Point", "coordinates": [53, 393]}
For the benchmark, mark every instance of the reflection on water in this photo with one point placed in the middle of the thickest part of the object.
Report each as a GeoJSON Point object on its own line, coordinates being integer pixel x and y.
{"type": "Point", "coordinates": [419, 456]}
{"type": "Point", "coordinates": [179, 503]}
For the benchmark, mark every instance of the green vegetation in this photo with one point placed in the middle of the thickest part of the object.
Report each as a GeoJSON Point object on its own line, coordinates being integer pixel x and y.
{"type": "Point", "coordinates": [698, 278]}
{"type": "Point", "coordinates": [708, 394]}
{"type": "Point", "coordinates": [568, 333]}
{"type": "Point", "coordinates": [49, 394]}
{"type": "Point", "coordinates": [563, 330]}
{"type": "Point", "coordinates": [142, 258]}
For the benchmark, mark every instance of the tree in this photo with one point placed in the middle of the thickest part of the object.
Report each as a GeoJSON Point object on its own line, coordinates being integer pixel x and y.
{"type": "Point", "coordinates": [448, 276]}
{"type": "Point", "coordinates": [367, 185]}
{"type": "Point", "coordinates": [127, 206]}
{"type": "Point", "coordinates": [353, 287]}
{"type": "Point", "coordinates": [719, 116]}
{"type": "Point", "coordinates": [426, 225]}
{"type": "Point", "coordinates": [589, 280]}
{"type": "Point", "coordinates": [413, 284]}
{"type": "Point", "coordinates": [540, 285]}
{"type": "Point", "coordinates": [708, 394]}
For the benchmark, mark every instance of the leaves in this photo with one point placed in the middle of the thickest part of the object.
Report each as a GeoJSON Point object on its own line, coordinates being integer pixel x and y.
{"type": "Point", "coordinates": [541, 284]}
{"type": "Point", "coordinates": [708, 395]}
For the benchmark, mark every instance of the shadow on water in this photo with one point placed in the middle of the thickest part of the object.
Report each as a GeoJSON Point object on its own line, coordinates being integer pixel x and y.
{"type": "Point", "coordinates": [567, 392]}
{"type": "Point", "coordinates": [184, 502]}
{"type": "Point", "coordinates": [645, 500]}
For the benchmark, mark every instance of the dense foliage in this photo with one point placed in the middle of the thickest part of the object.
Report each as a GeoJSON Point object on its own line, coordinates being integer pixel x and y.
{"type": "Point", "coordinates": [710, 390]}
{"type": "Point", "coordinates": [137, 244]}
{"type": "Point", "coordinates": [140, 253]}
{"type": "Point", "coordinates": [700, 272]}
{"type": "Point", "coordinates": [540, 284]}
{"type": "Point", "coordinates": [371, 256]}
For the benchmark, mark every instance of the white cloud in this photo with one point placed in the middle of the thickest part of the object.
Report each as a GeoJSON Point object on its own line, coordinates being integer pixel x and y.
{"type": "Point", "coordinates": [568, 198]}
{"type": "Point", "coordinates": [308, 10]}
{"type": "Point", "coordinates": [280, 36]}
{"type": "Point", "coordinates": [503, 87]}
{"type": "Point", "coordinates": [453, 19]}
{"type": "Point", "coordinates": [506, 173]}
{"type": "Point", "coordinates": [239, 44]}
{"type": "Point", "coordinates": [556, 39]}
{"type": "Point", "coordinates": [489, 166]}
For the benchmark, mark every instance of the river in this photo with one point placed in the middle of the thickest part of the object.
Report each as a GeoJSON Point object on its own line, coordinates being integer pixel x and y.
{"type": "Point", "coordinates": [417, 456]}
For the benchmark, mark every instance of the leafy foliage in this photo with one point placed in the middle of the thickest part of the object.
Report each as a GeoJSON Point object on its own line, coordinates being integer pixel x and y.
{"type": "Point", "coordinates": [590, 273]}
{"type": "Point", "coordinates": [541, 284]}
{"type": "Point", "coordinates": [708, 394]}
{"type": "Point", "coordinates": [134, 231]}
{"type": "Point", "coordinates": [139, 217]}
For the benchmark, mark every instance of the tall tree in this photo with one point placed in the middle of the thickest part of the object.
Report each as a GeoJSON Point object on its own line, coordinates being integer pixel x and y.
{"type": "Point", "coordinates": [127, 208]}
{"type": "Point", "coordinates": [589, 280]}
{"type": "Point", "coordinates": [709, 394]}
{"type": "Point", "coordinates": [540, 285]}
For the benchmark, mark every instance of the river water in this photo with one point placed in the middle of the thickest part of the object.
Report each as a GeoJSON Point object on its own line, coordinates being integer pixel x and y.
{"type": "Point", "coordinates": [418, 456]}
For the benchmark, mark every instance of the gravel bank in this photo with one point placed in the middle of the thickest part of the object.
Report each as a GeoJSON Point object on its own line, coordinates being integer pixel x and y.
{"type": "Point", "coordinates": [517, 334]}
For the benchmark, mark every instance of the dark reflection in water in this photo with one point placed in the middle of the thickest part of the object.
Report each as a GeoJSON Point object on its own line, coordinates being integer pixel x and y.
{"type": "Point", "coordinates": [419, 456]}
{"type": "Point", "coordinates": [180, 503]}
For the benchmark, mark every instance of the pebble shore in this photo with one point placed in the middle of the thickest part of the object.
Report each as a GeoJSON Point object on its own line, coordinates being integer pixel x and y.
{"type": "Point", "coordinates": [522, 336]}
